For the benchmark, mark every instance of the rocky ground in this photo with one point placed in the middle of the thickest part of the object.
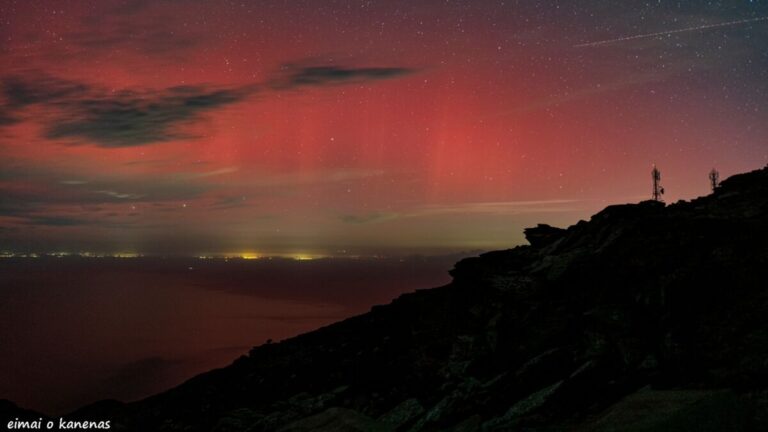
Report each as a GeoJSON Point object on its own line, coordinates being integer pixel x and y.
{"type": "Point", "coordinates": [645, 318]}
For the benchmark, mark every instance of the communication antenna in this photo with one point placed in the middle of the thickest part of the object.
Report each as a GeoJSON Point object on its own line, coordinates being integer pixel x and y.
{"type": "Point", "coordinates": [658, 190]}
{"type": "Point", "coordinates": [714, 179]}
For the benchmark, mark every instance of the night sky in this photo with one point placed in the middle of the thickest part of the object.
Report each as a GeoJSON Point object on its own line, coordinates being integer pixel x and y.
{"type": "Point", "coordinates": [308, 128]}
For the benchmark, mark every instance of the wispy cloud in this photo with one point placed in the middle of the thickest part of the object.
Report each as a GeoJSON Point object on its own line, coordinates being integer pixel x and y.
{"type": "Point", "coordinates": [47, 200]}
{"type": "Point", "coordinates": [486, 208]}
{"type": "Point", "coordinates": [369, 218]}
{"type": "Point", "coordinates": [229, 202]}
{"type": "Point", "coordinates": [204, 174]}
{"type": "Point", "coordinates": [122, 196]}
{"type": "Point", "coordinates": [500, 207]}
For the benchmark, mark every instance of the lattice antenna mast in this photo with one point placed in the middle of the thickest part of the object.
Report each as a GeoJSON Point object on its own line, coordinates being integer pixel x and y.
{"type": "Point", "coordinates": [714, 179]}
{"type": "Point", "coordinates": [658, 190]}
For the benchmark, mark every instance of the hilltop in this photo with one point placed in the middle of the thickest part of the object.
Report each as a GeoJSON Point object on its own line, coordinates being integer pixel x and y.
{"type": "Point", "coordinates": [646, 317]}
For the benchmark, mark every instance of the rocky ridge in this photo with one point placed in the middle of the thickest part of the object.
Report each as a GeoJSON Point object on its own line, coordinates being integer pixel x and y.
{"type": "Point", "coordinates": [646, 317]}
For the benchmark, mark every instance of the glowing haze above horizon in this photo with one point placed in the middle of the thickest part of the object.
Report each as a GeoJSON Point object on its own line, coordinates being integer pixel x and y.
{"type": "Point", "coordinates": [360, 127]}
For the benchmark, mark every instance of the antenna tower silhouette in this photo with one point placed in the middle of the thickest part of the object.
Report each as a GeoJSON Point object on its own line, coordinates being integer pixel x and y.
{"type": "Point", "coordinates": [714, 179]}
{"type": "Point", "coordinates": [658, 190]}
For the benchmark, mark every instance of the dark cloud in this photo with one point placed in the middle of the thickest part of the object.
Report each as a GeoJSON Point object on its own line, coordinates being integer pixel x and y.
{"type": "Point", "coordinates": [32, 211]}
{"type": "Point", "coordinates": [58, 221]}
{"type": "Point", "coordinates": [54, 187]}
{"type": "Point", "coordinates": [20, 91]}
{"type": "Point", "coordinates": [138, 120]}
{"type": "Point", "coordinates": [6, 118]}
{"type": "Point", "coordinates": [8, 207]}
{"type": "Point", "coordinates": [112, 119]}
{"type": "Point", "coordinates": [293, 75]}
{"type": "Point", "coordinates": [50, 201]}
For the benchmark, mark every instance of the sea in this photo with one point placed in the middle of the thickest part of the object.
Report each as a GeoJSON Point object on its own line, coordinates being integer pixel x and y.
{"type": "Point", "coordinates": [75, 330]}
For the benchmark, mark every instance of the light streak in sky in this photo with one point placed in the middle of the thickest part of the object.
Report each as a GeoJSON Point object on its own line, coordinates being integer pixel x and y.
{"type": "Point", "coordinates": [663, 33]}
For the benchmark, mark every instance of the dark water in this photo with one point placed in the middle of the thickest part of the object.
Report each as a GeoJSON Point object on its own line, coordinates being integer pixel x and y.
{"type": "Point", "coordinates": [76, 330]}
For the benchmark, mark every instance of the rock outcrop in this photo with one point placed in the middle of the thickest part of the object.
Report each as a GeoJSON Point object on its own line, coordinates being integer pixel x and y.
{"type": "Point", "coordinates": [647, 317]}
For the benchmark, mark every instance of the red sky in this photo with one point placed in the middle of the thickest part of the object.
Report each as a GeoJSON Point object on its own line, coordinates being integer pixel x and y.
{"type": "Point", "coordinates": [327, 128]}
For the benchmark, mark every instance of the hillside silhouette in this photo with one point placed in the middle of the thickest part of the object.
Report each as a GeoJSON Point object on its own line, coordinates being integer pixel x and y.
{"type": "Point", "coordinates": [646, 317]}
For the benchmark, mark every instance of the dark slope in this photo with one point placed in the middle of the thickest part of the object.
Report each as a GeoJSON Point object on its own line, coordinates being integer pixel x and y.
{"type": "Point", "coordinates": [647, 317]}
